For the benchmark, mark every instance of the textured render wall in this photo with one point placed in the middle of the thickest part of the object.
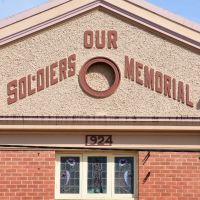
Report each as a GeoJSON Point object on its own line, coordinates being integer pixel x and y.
{"type": "Point", "coordinates": [27, 55]}
{"type": "Point", "coordinates": [169, 176]}
{"type": "Point", "coordinates": [27, 175]}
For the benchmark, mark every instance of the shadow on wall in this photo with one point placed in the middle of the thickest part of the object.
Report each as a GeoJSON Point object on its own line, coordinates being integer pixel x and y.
{"type": "Point", "coordinates": [198, 105]}
{"type": "Point", "coordinates": [144, 162]}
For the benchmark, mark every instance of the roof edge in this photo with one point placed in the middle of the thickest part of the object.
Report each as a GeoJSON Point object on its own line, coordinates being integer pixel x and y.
{"type": "Point", "coordinates": [189, 38]}
{"type": "Point", "coordinates": [166, 14]}
{"type": "Point", "coordinates": [31, 12]}
{"type": "Point", "coordinates": [141, 3]}
{"type": "Point", "coordinates": [105, 118]}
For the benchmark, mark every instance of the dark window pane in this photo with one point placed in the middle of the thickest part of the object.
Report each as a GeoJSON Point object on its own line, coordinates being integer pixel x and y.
{"type": "Point", "coordinates": [69, 175]}
{"type": "Point", "coordinates": [97, 174]}
{"type": "Point", "coordinates": [124, 175]}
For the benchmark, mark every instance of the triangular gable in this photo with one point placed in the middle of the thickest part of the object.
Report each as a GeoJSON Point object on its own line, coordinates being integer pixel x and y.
{"type": "Point", "coordinates": [156, 70]}
{"type": "Point", "coordinates": [140, 11]}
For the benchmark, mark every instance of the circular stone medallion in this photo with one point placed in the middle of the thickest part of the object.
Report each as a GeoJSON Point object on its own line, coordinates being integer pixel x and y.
{"type": "Point", "coordinates": [103, 67]}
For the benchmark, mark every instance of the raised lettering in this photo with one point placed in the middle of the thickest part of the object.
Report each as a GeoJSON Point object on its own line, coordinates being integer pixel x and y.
{"type": "Point", "coordinates": [40, 80]}
{"type": "Point", "coordinates": [63, 69]}
{"type": "Point", "coordinates": [30, 89]}
{"type": "Point", "coordinates": [129, 68]}
{"type": "Point", "coordinates": [167, 86]}
{"type": "Point", "coordinates": [71, 65]}
{"type": "Point", "coordinates": [112, 39]}
{"type": "Point", "coordinates": [180, 92]}
{"type": "Point", "coordinates": [149, 77]}
{"type": "Point", "coordinates": [174, 88]}
{"type": "Point", "coordinates": [158, 82]}
{"type": "Point", "coordinates": [53, 78]}
{"type": "Point", "coordinates": [100, 45]}
{"type": "Point", "coordinates": [88, 39]}
{"type": "Point", "coordinates": [188, 102]}
{"type": "Point", "coordinates": [22, 88]}
{"type": "Point", "coordinates": [47, 76]}
{"type": "Point", "coordinates": [139, 67]}
{"type": "Point", "coordinates": [12, 92]}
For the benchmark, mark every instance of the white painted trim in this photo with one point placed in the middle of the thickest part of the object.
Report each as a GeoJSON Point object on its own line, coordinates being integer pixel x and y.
{"type": "Point", "coordinates": [135, 189]}
{"type": "Point", "coordinates": [110, 176]}
{"type": "Point", "coordinates": [85, 168]}
{"type": "Point", "coordinates": [57, 178]}
{"type": "Point", "coordinates": [141, 3]}
{"type": "Point", "coordinates": [166, 14]}
{"type": "Point", "coordinates": [31, 12]}
{"type": "Point", "coordinates": [46, 129]}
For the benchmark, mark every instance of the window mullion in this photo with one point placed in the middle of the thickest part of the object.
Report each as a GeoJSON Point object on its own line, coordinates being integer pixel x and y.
{"type": "Point", "coordinates": [114, 163]}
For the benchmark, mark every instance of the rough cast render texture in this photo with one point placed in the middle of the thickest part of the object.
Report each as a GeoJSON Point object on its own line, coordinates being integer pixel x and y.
{"type": "Point", "coordinates": [169, 176]}
{"type": "Point", "coordinates": [27, 55]}
{"type": "Point", "coordinates": [27, 175]}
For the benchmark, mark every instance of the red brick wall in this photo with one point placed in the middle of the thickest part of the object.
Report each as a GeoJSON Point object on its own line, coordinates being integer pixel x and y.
{"type": "Point", "coordinates": [169, 176]}
{"type": "Point", "coordinates": [27, 175]}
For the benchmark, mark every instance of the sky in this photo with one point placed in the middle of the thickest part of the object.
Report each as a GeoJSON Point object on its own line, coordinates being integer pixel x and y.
{"type": "Point", "coordinates": [189, 9]}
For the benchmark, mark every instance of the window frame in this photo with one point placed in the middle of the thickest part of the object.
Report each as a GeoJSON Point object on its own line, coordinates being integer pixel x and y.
{"type": "Point", "coordinates": [59, 195]}
{"type": "Point", "coordinates": [83, 156]}
{"type": "Point", "coordinates": [122, 196]}
{"type": "Point", "coordinates": [85, 185]}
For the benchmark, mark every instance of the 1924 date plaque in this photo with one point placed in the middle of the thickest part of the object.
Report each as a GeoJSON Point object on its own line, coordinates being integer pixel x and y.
{"type": "Point", "coordinates": [98, 140]}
